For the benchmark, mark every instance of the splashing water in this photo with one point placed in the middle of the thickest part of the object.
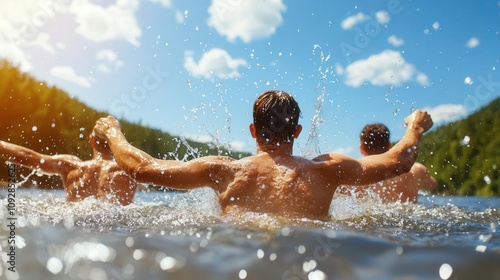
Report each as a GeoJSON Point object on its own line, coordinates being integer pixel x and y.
{"type": "Point", "coordinates": [185, 235]}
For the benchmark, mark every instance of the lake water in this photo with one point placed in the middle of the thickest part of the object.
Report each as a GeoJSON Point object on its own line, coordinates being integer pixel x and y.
{"type": "Point", "coordinates": [184, 236]}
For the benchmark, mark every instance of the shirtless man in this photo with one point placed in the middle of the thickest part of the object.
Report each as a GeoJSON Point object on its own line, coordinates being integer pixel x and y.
{"type": "Point", "coordinates": [273, 181]}
{"type": "Point", "coordinates": [374, 139]}
{"type": "Point", "coordinates": [100, 177]}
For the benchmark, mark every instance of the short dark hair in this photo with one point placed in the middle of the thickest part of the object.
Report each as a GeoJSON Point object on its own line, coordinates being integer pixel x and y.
{"type": "Point", "coordinates": [276, 117]}
{"type": "Point", "coordinates": [375, 138]}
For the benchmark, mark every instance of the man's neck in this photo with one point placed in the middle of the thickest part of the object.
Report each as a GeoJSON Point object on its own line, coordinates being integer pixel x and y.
{"type": "Point", "coordinates": [279, 149]}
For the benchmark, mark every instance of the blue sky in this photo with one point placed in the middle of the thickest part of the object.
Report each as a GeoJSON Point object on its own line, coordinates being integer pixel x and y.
{"type": "Point", "coordinates": [195, 67]}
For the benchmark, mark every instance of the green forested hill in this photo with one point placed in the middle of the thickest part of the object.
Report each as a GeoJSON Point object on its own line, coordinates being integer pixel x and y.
{"type": "Point", "coordinates": [47, 120]}
{"type": "Point", "coordinates": [464, 156]}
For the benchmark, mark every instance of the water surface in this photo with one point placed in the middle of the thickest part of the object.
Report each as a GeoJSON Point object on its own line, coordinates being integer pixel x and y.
{"type": "Point", "coordinates": [184, 236]}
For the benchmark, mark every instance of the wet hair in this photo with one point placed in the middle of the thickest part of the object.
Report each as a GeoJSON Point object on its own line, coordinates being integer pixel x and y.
{"type": "Point", "coordinates": [375, 138]}
{"type": "Point", "coordinates": [276, 117]}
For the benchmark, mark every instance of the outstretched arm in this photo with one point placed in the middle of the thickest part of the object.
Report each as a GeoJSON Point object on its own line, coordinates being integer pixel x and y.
{"type": "Point", "coordinates": [58, 164]}
{"type": "Point", "coordinates": [371, 169]}
{"type": "Point", "coordinates": [207, 171]}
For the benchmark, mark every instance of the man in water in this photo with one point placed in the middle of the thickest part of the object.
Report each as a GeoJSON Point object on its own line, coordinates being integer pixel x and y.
{"type": "Point", "coordinates": [374, 140]}
{"type": "Point", "coordinates": [273, 181]}
{"type": "Point", "coordinates": [100, 177]}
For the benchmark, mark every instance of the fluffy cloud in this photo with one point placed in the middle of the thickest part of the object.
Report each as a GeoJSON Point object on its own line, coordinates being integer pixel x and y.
{"type": "Point", "coordinates": [472, 43]}
{"type": "Point", "coordinates": [214, 63]}
{"type": "Point", "coordinates": [10, 50]}
{"type": "Point", "coordinates": [98, 23]}
{"type": "Point", "coordinates": [67, 73]}
{"type": "Point", "coordinates": [351, 21]}
{"type": "Point", "coordinates": [246, 19]}
{"type": "Point", "coordinates": [446, 113]}
{"type": "Point", "coordinates": [381, 17]}
{"type": "Point", "coordinates": [385, 68]}
{"type": "Point", "coordinates": [164, 3]}
{"type": "Point", "coordinates": [109, 58]}
{"type": "Point", "coordinates": [18, 20]}
{"type": "Point", "coordinates": [395, 41]}
{"type": "Point", "coordinates": [179, 16]}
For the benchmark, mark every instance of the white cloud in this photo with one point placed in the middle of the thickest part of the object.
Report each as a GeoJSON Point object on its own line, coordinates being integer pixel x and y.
{"type": "Point", "coordinates": [41, 41]}
{"type": "Point", "coordinates": [10, 50]}
{"type": "Point", "coordinates": [237, 146]}
{"type": "Point", "coordinates": [382, 17]}
{"type": "Point", "coordinates": [17, 25]}
{"type": "Point", "coordinates": [422, 79]}
{"type": "Point", "coordinates": [385, 68]}
{"type": "Point", "coordinates": [214, 63]}
{"type": "Point", "coordinates": [339, 70]}
{"type": "Point", "coordinates": [111, 58]}
{"type": "Point", "coordinates": [344, 151]}
{"type": "Point", "coordinates": [99, 24]}
{"type": "Point", "coordinates": [179, 16]}
{"type": "Point", "coordinates": [246, 19]}
{"type": "Point", "coordinates": [164, 3]}
{"type": "Point", "coordinates": [472, 43]}
{"type": "Point", "coordinates": [103, 68]}
{"type": "Point", "coordinates": [106, 54]}
{"type": "Point", "coordinates": [350, 21]}
{"type": "Point", "coordinates": [395, 41]}
{"type": "Point", "coordinates": [67, 73]}
{"type": "Point", "coordinates": [446, 113]}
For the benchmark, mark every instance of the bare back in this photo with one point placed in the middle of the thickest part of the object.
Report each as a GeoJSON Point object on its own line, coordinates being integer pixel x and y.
{"type": "Point", "coordinates": [99, 178]}
{"type": "Point", "coordinates": [284, 185]}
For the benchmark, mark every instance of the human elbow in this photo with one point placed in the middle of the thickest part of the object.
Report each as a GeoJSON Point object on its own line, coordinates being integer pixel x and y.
{"type": "Point", "coordinates": [404, 166]}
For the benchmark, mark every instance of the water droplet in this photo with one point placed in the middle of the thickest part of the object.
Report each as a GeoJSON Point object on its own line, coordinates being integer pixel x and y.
{"type": "Point", "coordinates": [242, 274]}
{"type": "Point", "coordinates": [260, 253]}
{"type": "Point", "coordinates": [301, 249]}
{"type": "Point", "coordinates": [167, 263]}
{"type": "Point", "coordinates": [445, 271]}
{"type": "Point", "coordinates": [138, 254]}
{"type": "Point", "coordinates": [399, 250]}
{"type": "Point", "coordinates": [54, 265]}
{"type": "Point", "coordinates": [316, 275]}
{"type": "Point", "coordinates": [273, 257]}
{"type": "Point", "coordinates": [309, 265]}
{"type": "Point", "coordinates": [468, 81]}
{"type": "Point", "coordinates": [487, 179]}
{"type": "Point", "coordinates": [481, 248]}
{"type": "Point", "coordinates": [129, 241]}
{"type": "Point", "coordinates": [465, 140]}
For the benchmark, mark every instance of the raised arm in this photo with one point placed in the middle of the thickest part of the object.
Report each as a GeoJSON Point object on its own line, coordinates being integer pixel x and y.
{"type": "Point", "coordinates": [58, 164]}
{"type": "Point", "coordinates": [371, 169]}
{"type": "Point", "coordinates": [207, 171]}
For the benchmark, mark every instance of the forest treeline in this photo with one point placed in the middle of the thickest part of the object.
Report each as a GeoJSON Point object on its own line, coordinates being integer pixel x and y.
{"type": "Point", "coordinates": [464, 156]}
{"type": "Point", "coordinates": [48, 120]}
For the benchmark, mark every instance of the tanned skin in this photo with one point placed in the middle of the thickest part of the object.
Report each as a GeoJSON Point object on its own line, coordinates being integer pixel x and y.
{"type": "Point", "coordinates": [273, 181]}
{"type": "Point", "coordinates": [100, 177]}
{"type": "Point", "coordinates": [403, 188]}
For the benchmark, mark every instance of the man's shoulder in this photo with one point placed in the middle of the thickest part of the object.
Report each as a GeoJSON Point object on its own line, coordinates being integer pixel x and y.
{"type": "Point", "coordinates": [331, 157]}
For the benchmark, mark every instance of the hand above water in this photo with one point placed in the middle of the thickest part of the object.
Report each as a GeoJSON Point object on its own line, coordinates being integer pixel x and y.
{"type": "Point", "coordinates": [105, 127]}
{"type": "Point", "coordinates": [419, 120]}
